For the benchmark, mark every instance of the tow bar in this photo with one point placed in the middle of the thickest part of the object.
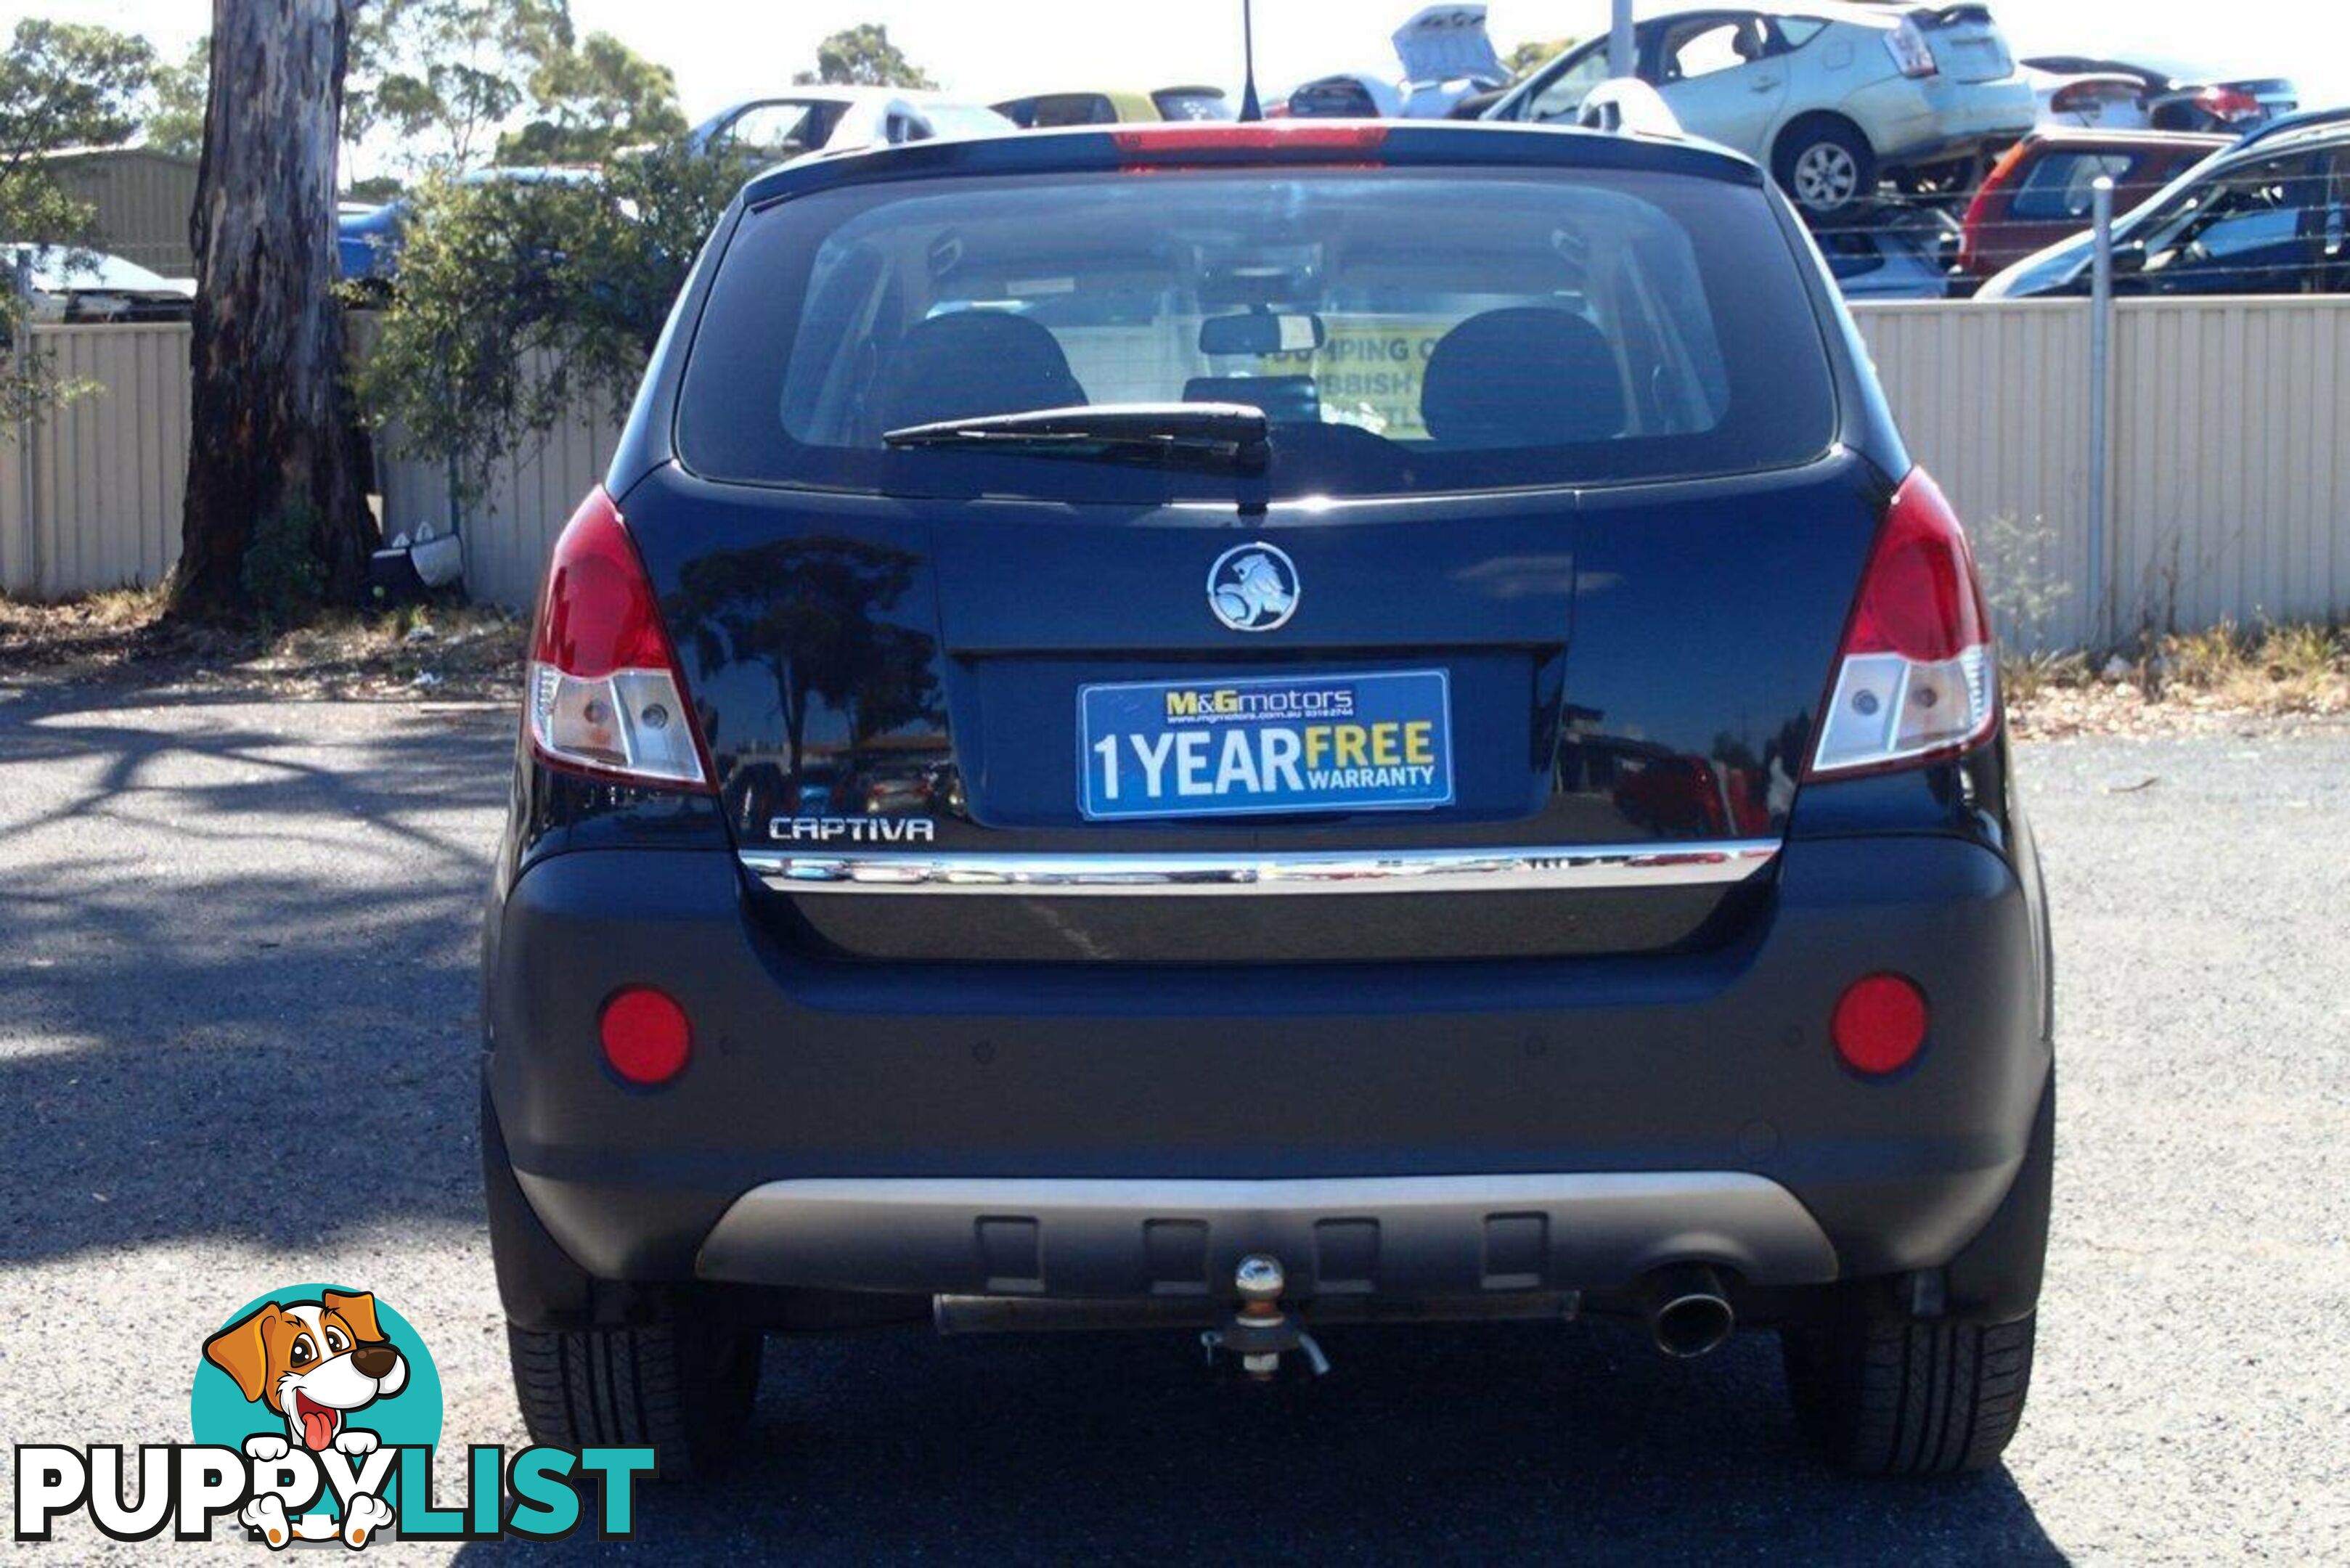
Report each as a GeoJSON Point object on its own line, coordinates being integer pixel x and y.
{"type": "Point", "coordinates": [1260, 1333]}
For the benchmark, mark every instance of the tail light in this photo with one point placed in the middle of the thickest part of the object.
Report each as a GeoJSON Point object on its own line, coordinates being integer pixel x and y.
{"type": "Point", "coordinates": [1912, 55]}
{"type": "Point", "coordinates": [1979, 210]}
{"type": "Point", "coordinates": [1916, 680]}
{"type": "Point", "coordinates": [2228, 104]}
{"type": "Point", "coordinates": [604, 694]}
{"type": "Point", "coordinates": [2091, 96]}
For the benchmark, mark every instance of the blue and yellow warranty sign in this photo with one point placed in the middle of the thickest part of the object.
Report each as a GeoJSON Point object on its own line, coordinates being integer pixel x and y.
{"type": "Point", "coordinates": [1240, 748]}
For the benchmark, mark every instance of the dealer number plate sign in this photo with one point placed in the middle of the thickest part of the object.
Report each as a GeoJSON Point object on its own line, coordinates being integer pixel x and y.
{"type": "Point", "coordinates": [1251, 748]}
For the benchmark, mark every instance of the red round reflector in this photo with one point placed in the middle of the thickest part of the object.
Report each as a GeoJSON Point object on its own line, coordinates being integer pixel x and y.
{"type": "Point", "coordinates": [1880, 1023]}
{"type": "Point", "coordinates": [646, 1036]}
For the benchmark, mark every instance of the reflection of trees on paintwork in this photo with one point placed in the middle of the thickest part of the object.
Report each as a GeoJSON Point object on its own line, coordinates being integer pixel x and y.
{"type": "Point", "coordinates": [809, 612]}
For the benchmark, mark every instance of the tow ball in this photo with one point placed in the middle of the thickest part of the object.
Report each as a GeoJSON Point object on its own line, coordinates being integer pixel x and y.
{"type": "Point", "coordinates": [1260, 1332]}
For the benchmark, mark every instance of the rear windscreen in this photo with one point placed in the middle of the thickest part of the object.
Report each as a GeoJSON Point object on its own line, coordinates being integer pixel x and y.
{"type": "Point", "coordinates": [1405, 331]}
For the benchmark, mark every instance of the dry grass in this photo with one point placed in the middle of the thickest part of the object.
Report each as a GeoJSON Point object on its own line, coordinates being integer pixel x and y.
{"type": "Point", "coordinates": [2187, 681]}
{"type": "Point", "coordinates": [436, 650]}
{"type": "Point", "coordinates": [2273, 670]}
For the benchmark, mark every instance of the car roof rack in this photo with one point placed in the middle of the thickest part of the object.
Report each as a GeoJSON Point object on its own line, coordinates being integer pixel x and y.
{"type": "Point", "coordinates": [2285, 125]}
{"type": "Point", "coordinates": [1629, 107]}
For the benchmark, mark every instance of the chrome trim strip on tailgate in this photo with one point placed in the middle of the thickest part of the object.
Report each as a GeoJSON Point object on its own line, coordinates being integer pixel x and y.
{"type": "Point", "coordinates": [1508, 869]}
{"type": "Point", "coordinates": [1111, 1237]}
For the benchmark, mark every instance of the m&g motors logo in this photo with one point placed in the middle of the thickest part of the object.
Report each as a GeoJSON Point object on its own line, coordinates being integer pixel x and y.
{"type": "Point", "coordinates": [314, 1415]}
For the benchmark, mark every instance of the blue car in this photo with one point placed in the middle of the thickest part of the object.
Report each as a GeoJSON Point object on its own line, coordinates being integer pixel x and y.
{"type": "Point", "coordinates": [368, 240]}
{"type": "Point", "coordinates": [1447, 765]}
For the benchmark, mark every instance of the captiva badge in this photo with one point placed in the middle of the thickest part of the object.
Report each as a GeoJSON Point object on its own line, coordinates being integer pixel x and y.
{"type": "Point", "coordinates": [1253, 587]}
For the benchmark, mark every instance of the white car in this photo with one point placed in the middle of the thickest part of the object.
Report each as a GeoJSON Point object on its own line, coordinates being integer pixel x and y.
{"type": "Point", "coordinates": [67, 284]}
{"type": "Point", "coordinates": [2089, 101]}
{"type": "Point", "coordinates": [806, 120]}
{"type": "Point", "coordinates": [1829, 96]}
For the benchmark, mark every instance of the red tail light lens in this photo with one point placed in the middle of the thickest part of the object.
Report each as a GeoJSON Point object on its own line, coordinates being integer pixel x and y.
{"type": "Point", "coordinates": [1970, 234]}
{"type": "Point", "coordinates": [1879, 1025]}
{"type": "Point", "coordinates": [605, 693]}
{"type": "Point", "coordinates": [1917, 678]}
{"type": "Point", "coordinates": [1299, 140]}
{"type": "Point", "coordinates": [645, 1035]}
{"type": "Point", "coordinates": [2229, 105]}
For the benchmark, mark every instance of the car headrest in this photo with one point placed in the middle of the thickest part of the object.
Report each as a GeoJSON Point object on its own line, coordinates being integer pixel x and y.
{"type": "Point", "coordinates": [1525, 376]}
{"type": "Point", "coordinates": [972, 363]}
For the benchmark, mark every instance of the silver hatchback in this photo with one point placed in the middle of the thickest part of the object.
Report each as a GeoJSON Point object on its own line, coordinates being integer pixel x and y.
{"type": "Point", "coordinates": [1830, 97]}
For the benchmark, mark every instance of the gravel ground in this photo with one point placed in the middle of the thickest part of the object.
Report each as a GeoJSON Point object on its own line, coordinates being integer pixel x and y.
{"type": "Point", "coordinates": [238, 1050]}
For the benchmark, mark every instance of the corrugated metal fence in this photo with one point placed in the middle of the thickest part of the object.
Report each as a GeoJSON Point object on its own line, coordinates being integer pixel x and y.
{"type": "Point", "coordinates": [91, 493]}
{"type": "Point", "coordinates": [509, 532]}
{"type": "Point", "coordinates": [2229, 499]}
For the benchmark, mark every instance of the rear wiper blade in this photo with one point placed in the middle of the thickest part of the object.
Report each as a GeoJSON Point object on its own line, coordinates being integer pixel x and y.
{"type": "Point", "coordinates": [1228, 437]}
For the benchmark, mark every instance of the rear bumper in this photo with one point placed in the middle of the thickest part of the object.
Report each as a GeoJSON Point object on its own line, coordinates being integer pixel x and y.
{"type": "Point", "coordinates": [1425, 1235]}
{"type": "Point", "coordinates": [1130, 1129]}
{"type": "Point", "coordinates": [1933, 119]}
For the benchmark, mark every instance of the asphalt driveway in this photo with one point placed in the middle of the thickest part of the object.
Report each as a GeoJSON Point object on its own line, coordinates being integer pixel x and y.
{"type": "Point", "coordinates": [236, 1049]}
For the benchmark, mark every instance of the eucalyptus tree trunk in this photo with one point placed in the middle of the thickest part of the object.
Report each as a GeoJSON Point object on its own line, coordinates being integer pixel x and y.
{"type": "Point", "coordinates": [271, 447]}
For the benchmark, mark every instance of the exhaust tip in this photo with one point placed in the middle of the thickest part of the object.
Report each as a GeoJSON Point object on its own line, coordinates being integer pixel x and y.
{"type": "Point", "coordinates": [1689, 1316]}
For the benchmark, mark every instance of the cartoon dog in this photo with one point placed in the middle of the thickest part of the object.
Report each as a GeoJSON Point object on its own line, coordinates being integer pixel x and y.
{"type": "Point", "coordinates": [312, 1363]}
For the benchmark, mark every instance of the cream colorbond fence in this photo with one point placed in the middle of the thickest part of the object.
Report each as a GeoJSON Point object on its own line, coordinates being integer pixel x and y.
{"type": "Point", "coordinates": [90, 492]}
{"type": "Point", "coordinates": [2231, 497]}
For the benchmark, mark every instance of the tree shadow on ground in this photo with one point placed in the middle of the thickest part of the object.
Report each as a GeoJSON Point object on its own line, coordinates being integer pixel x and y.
{"type": "Point", "coordinates": [242, 1004]}
{"type": "Point", "coordinates": [1518, 1443]}
{"type": "Point", "coordinates": [239, 953]}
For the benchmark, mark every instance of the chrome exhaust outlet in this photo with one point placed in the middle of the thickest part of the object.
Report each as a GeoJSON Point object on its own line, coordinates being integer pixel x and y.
{"type": "Point", "coordinates": [1689, 1316]}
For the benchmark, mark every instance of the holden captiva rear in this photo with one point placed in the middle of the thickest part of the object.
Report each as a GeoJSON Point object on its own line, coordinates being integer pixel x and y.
{"type": "Point", "coordinates": [1238, 728]}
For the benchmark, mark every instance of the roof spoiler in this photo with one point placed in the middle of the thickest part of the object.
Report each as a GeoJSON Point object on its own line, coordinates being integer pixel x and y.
{"type": "Point", "coordinates": [2286, 124]}
{"type": "Point", "coordinates": [1628, 106]}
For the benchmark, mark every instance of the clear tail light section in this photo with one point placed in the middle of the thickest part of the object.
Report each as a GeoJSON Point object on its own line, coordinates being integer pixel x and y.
{"type": "Point", "coordinates": [1912, 55]}
{"type": "Point", "coordinates": [1917, 679]}
{"type": "Point", "coordinates": [604, 694]}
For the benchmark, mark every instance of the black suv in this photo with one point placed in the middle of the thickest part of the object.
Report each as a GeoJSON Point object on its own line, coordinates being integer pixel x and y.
{"type": "Point", "coordinates": [1245, 727]}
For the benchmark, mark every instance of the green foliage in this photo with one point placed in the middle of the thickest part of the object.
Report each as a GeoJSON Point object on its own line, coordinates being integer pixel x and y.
{"type": "Point", "coordinates": [176, 123]}
{"type": "Point", "coordinates": [282, 573]}
{"type": "Point", "coordinates": [376, 190]}
{"type": "Point", "coordinates": [2020, 586]}
{"type": "Point", "coordinates": [593, 100]}
{"type": "Point", "coordinates": [1534, 55]}
{"type": "Point", "coordinates": [61, 85]}
{"type": "Point", "coordinates": [443, 76]}
{"type": "Point", "coordinates": [517, 298]}
{"type": "Point", "coordinates": [863, 55]}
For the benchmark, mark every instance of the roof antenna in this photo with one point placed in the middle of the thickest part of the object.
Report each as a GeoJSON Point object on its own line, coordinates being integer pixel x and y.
{"type": "Point", "coordinates": [1250, 107]}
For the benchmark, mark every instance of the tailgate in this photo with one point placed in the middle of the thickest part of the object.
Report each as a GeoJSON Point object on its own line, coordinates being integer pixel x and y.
{"type": "Point", "coordinates": [1968, 45]}
{"type": "Point", "coordinates": [1559, 725]}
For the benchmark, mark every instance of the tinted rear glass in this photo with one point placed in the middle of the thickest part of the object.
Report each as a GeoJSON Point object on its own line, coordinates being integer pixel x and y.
{"type": "Point", "coordinates": [1418, 329]}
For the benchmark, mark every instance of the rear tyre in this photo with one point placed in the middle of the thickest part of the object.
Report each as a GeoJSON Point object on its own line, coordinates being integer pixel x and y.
{"type": "Point", "coordinates": [681, 1386]}
{"type": "Point", "coordinates": [1825, 166]}
{"type": "Point", "coordinates": [1886, 1394]}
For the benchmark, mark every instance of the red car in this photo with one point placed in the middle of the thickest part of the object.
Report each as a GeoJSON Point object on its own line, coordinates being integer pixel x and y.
{"type": "Point", "coordinates": [2040, 192]}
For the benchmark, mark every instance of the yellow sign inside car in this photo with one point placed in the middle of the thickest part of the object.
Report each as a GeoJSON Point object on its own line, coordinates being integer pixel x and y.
{"type": "Point", "coordinates": [1368, 369]}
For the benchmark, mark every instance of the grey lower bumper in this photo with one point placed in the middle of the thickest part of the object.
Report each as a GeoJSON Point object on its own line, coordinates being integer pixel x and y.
{"type": "Point", "coordinates": [1372, 1236]}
